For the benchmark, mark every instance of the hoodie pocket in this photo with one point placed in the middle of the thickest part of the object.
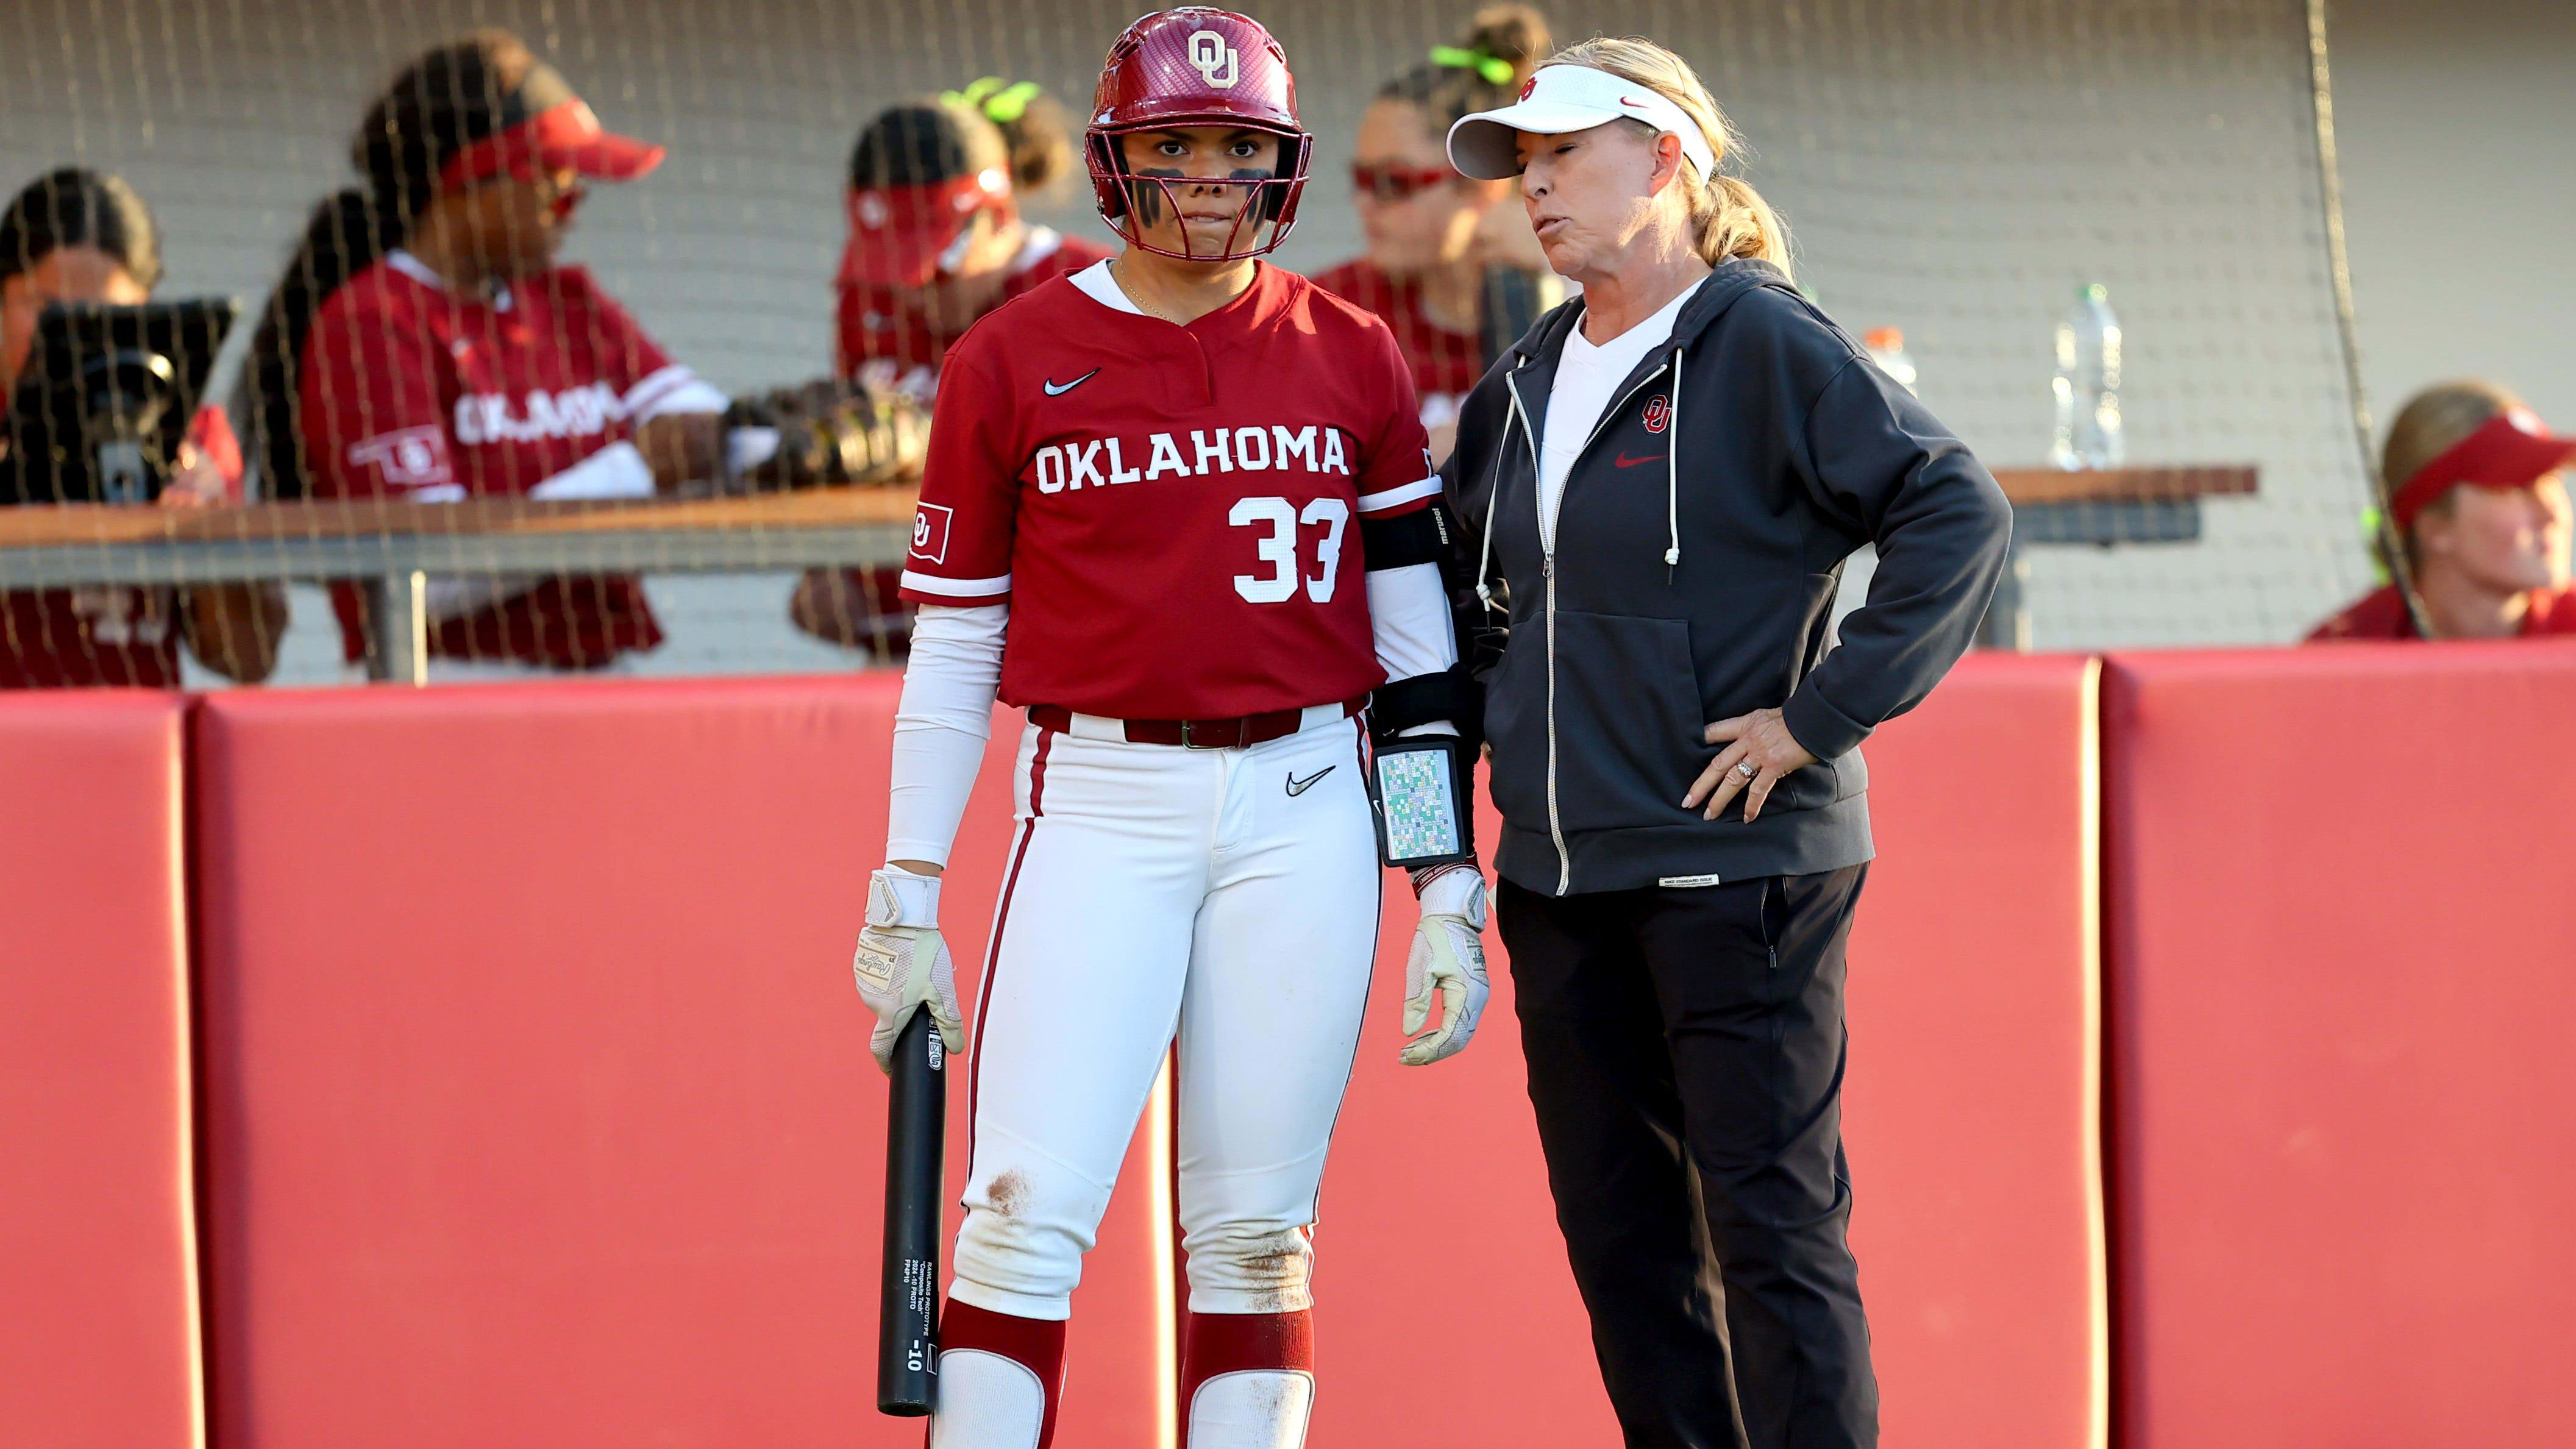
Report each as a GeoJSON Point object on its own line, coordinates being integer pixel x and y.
{"type": "Point", "coordinates": [1627, 722]}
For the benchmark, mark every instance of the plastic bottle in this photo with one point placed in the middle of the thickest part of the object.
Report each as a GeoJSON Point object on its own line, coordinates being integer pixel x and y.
{"type": "Point", "coordinates": [2088, 384]}
{"type": "Point", "coordinates": [1887, 348]}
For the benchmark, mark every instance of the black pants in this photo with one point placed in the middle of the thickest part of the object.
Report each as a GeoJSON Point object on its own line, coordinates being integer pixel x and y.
{"type": "Point", "coordinates": [1685, 1053]}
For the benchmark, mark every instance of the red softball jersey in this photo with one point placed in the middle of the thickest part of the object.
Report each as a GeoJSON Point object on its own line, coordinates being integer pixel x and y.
{"type": "Point", "coordinates": [1445, 364]}
{"type": "Point", "coordinates": [422, 395]}
{"type": "Point", "coordinates": [2382, 614]}
{"type": "Point", "coordinates": [1170, 511]}
{"type": "Point", "coordinates": [107, 634]}
{"type": "Point", "coordinates": [884, 343]}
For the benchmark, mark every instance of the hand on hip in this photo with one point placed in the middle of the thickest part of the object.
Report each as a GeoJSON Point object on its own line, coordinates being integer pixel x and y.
{"type": "Point", "coordinates": [1759, 751]}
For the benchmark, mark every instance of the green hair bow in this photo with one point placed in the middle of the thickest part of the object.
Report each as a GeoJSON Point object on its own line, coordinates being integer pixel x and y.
{"type": "Point", "coordinates": [1000, 101]}
{"type": "Point", "coordinates": [1495, 70]}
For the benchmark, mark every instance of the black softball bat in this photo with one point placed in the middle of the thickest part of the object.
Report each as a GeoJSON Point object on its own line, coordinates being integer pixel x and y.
{"type": "Point", "coordinates": [908, 1310]}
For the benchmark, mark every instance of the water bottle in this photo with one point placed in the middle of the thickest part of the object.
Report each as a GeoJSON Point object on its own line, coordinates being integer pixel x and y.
{"type": "Point", "coordinates": [2088, 384]}
{"type": "Point", "coordinates": [1887, 348]}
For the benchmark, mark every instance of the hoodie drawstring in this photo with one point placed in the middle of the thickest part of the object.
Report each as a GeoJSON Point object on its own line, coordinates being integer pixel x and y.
{"type": "Point", "coordinates": [1493, 505]}
{"type": "Point", "coordinates": [1673, 478]}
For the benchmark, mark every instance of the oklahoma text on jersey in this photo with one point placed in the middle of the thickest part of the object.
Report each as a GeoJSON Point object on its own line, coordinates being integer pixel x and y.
{"type": "Point", "coordinates": [577, 412]}
{"type": "Point", "coordinates": [1222, 450]}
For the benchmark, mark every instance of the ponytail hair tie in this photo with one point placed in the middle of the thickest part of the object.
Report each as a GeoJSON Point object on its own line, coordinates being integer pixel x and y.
{"type": "Point", "coordinates": [997, 100]}
{"type": "Point", "coordinates": [1493, 69]}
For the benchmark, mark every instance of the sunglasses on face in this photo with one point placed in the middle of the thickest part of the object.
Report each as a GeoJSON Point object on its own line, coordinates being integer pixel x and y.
{"type": "Point", "coordinates": [1398, 183]}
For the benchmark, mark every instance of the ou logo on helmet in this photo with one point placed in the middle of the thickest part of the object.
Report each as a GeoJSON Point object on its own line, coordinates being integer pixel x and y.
{"type": "Point", "coordinates": [1213, 58]}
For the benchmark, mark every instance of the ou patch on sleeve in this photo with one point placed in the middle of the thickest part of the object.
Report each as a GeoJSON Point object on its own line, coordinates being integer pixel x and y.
{"type": "Point", "coordinates": [409, 459]}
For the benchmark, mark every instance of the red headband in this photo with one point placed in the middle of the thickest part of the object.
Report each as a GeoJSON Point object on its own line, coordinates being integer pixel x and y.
{"type": "Point", "coordinates": [2510, 450]}
{"type": "Point", "coordinates": [564, 136]}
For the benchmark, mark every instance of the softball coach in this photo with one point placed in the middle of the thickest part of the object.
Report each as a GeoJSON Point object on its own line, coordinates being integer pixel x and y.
{"type": "Point", "coordinates": [1662, 481]}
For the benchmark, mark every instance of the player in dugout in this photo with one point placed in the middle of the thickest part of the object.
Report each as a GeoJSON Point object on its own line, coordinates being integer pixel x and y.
{"type": "Point", "coordinates": [425, 347]}
{"type": "Point", "coordinates": [936, 241]}
{"type": "Point", "coordinates": [1177, 508]}
{"type": "Point", "coordinates": [1450, 268]}
{"type": "Point", "coordinates": [2477, 496]}
{"type": "Point", "coordinates": [75, 235]}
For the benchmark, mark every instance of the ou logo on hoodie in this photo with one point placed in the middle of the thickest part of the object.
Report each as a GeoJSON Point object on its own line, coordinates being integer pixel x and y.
{"type": "Point", "coordinates": [1659, 412]}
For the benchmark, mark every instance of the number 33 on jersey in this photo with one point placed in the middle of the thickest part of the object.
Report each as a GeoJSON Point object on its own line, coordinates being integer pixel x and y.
{"type": "Point", "coordinates": [1170, 511]}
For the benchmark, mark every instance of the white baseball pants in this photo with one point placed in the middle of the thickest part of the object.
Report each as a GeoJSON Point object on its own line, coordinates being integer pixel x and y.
{"type": "Point", "coordinates": [1228, 896]}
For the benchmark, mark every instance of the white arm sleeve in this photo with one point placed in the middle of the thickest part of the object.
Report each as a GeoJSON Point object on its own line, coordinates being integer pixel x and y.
{"type": "Point", "coordinates": [1409, 612]}
{"type": "Point", "coordinates": [941, 725]}
{"type": "Point", "coordinates": [616, 471]}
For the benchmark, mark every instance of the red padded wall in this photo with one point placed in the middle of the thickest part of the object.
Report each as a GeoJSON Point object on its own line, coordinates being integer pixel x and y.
{"type": "Point", "coordinates": [540, 1110]}
{"type": "Point", "coordinates": [2339, 926]}
{"type": "Point", "coordinates": [1446, 1314]}
{"type": "Point", "coordinates": [1971, 1108]}
{"type": "Point", "coordinates": [98, 1293]}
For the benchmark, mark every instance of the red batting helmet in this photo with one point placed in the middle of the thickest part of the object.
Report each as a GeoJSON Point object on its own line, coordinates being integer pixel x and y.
{"type": "Point", "coordinates": [1197, 66]}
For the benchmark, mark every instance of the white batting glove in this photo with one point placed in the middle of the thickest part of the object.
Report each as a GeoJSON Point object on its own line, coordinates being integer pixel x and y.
{"type": "Point", "coordinates": [902, 964]}
{"type": "Point", "coordinates": [1448, 960]}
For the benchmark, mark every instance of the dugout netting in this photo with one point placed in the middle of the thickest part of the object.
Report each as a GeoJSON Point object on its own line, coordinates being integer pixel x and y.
{"type": "Point", "coordinates": [1953, 168]}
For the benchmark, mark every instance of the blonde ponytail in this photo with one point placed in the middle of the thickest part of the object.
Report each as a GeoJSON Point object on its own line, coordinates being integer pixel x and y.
{"type": "Point", "coordinates": [1730, 218]}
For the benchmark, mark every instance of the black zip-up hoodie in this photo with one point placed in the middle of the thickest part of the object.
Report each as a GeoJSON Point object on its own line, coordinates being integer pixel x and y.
{"type": "Point", "coordinates": [1699, 544]}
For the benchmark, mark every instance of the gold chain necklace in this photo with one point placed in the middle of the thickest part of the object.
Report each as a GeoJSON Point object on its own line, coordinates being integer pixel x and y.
{"type": "Point", "coordinates": [1118, 273]}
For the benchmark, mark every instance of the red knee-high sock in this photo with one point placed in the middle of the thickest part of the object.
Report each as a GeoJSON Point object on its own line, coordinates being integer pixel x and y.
{"type": "Point", "coordinates": [1222, 1343]}
{"type": "Point", "coordinates": [1035, 1344]}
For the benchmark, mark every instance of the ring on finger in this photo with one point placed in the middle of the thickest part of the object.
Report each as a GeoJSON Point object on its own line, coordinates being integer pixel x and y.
{"type": "Point", "coordinates": [1747, 769]}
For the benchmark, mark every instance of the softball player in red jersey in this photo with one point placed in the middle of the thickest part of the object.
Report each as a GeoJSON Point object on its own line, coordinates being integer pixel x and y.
{"type": "Point", "coordinates": [1150, 490]}
{"type": "Point", "coordinates": [423, 346]}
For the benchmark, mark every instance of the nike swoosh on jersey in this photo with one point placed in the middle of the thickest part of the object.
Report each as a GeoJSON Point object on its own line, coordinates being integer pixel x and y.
{"type": "Point", "coordinates": [1055, 389]}
{"type": "Point", "coordinates": [1298, 787]}
{"type": "Point", "coordinates": [1624, 461]}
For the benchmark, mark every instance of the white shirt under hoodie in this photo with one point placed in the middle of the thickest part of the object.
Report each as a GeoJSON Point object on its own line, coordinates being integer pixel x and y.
{"type": "Point", "coordinates": [1586, 376]}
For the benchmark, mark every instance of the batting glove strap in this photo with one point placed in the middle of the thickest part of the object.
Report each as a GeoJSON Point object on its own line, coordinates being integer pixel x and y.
{"type": "Point", "coordinates": [897, 897]}
{"type": "Point", "coordinates": [1453, 890]}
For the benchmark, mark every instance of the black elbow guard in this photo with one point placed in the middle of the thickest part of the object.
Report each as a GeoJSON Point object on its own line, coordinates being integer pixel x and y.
{"type": "Point", "coordinates": [1452, 694]}
{"type": "Point", "coordinates": [1420, 537]}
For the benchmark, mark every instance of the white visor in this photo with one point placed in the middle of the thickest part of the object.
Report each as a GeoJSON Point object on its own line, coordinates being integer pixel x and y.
{"type": "Point", "coordinates": [1562, 98]}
